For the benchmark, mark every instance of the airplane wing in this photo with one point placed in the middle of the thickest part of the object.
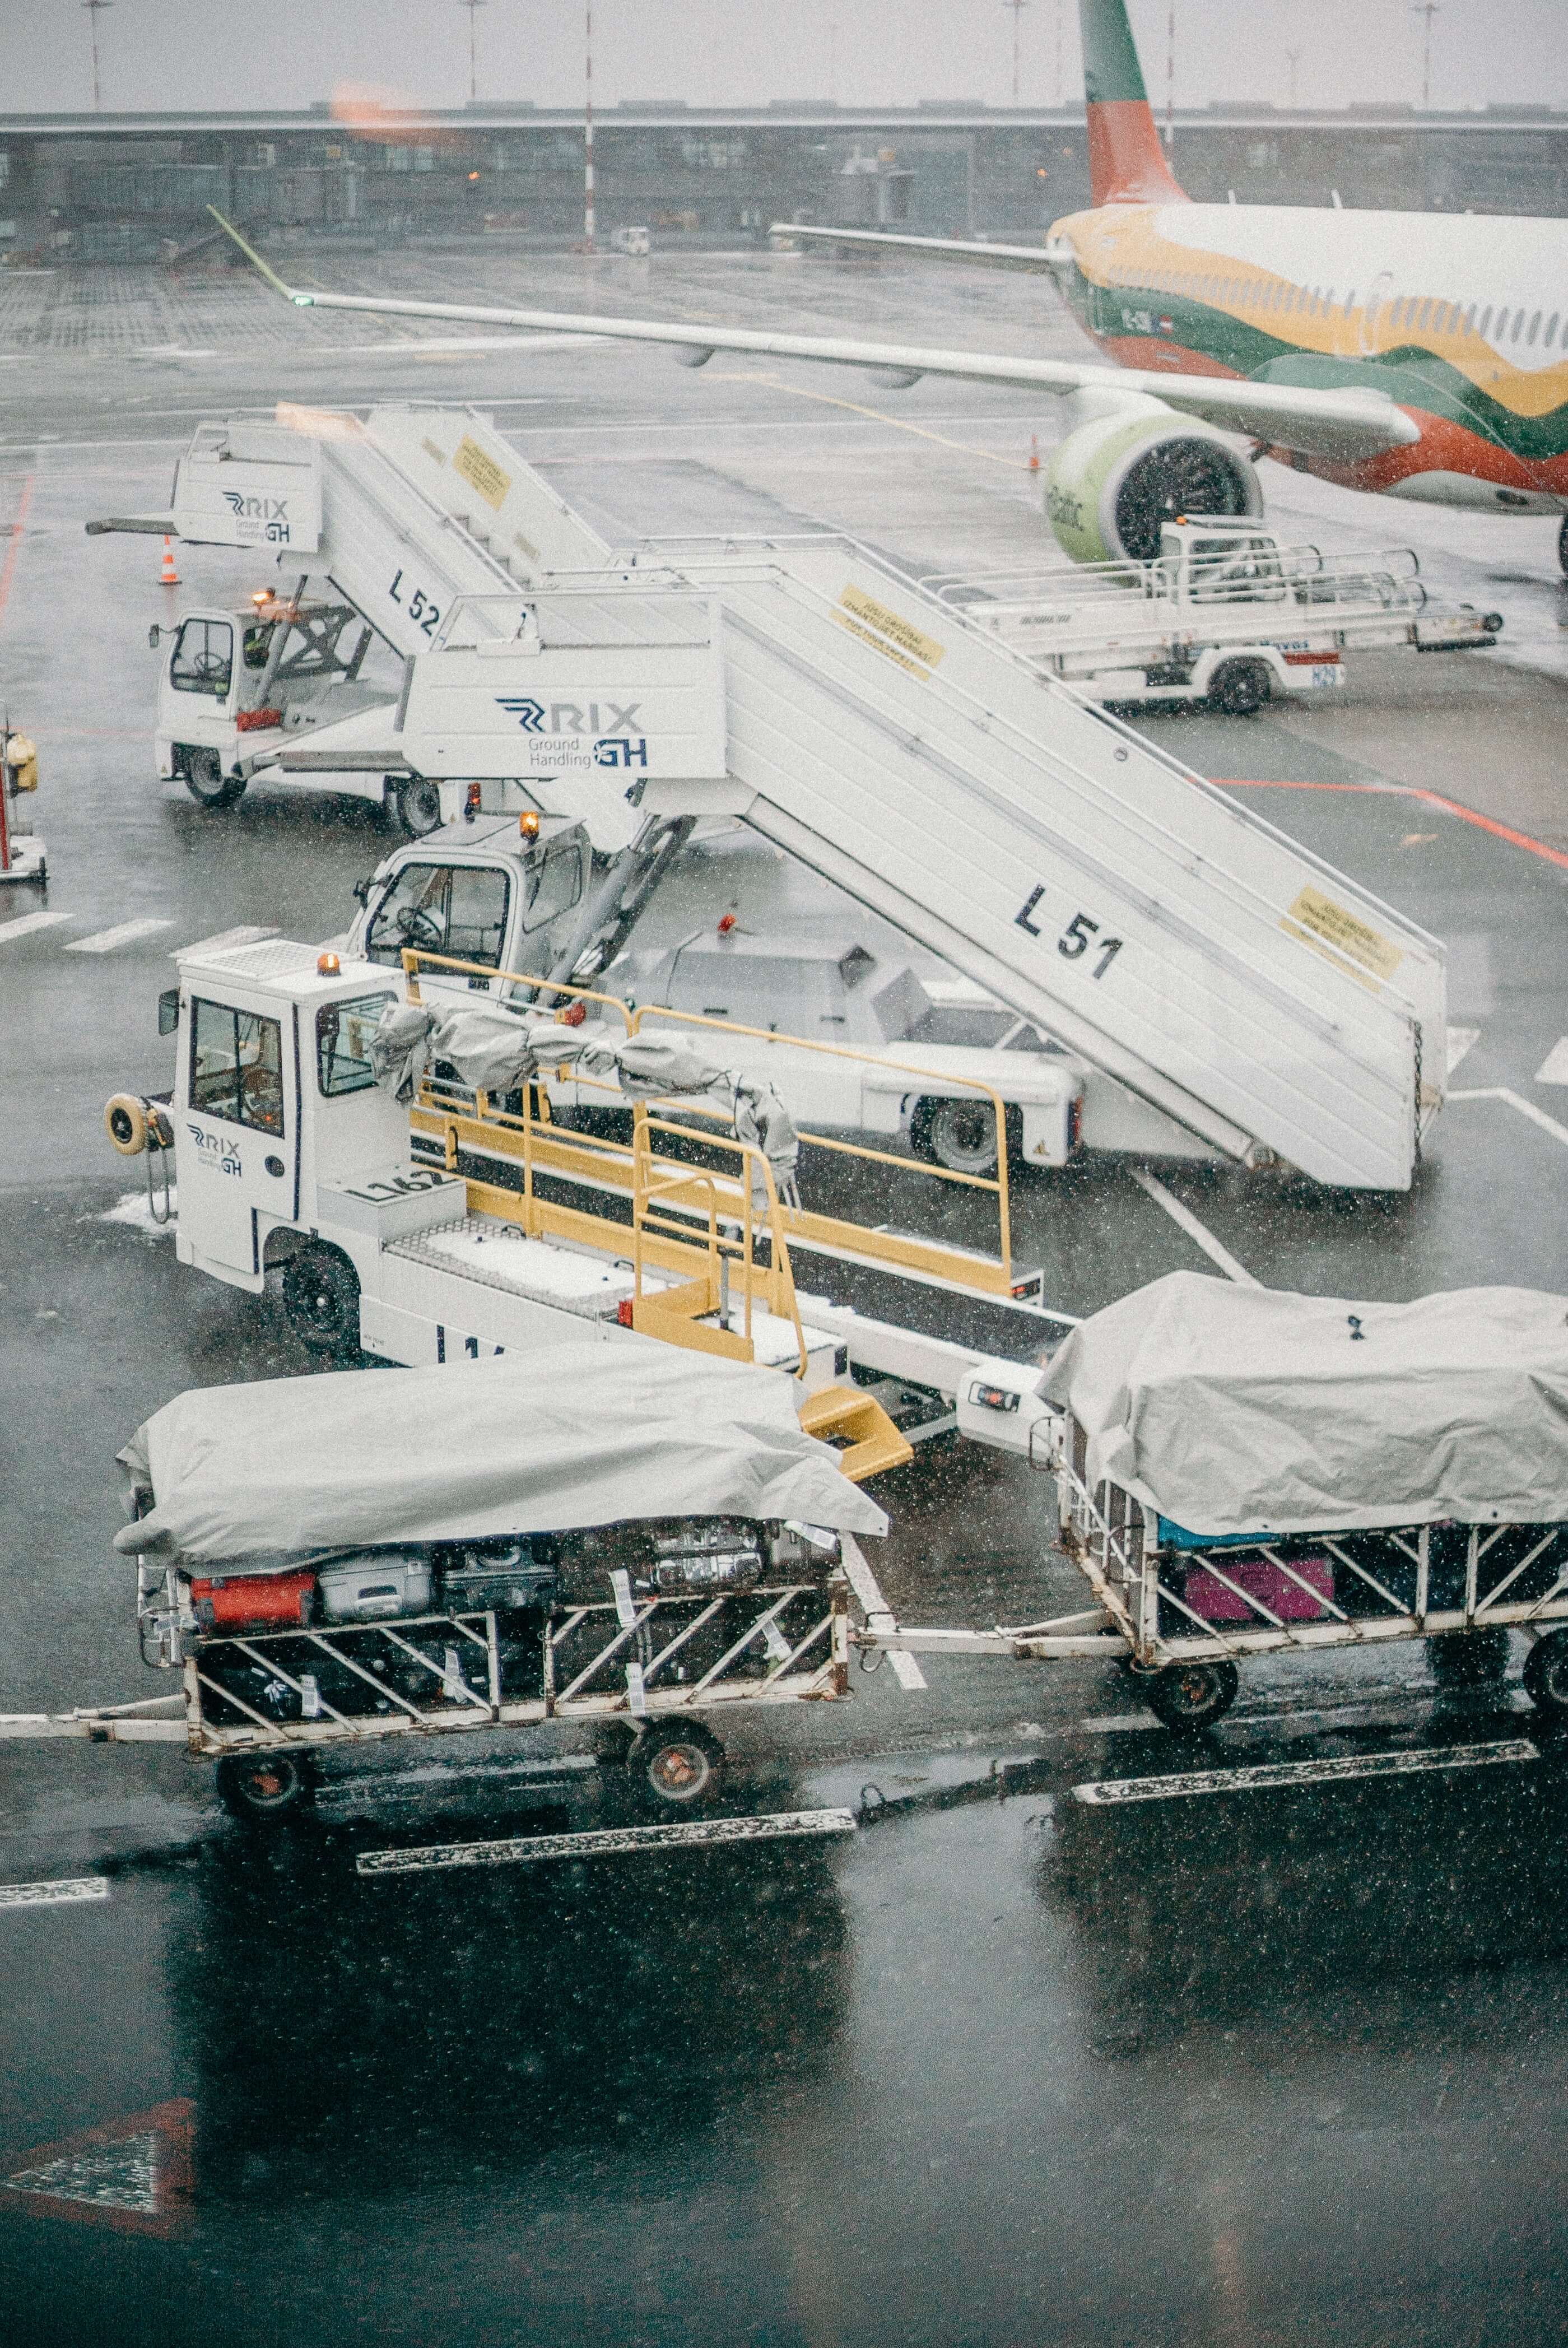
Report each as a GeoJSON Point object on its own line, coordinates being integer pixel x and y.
{"type": "Point", "coordinates": [1343, 424]}
{"type": "Point", "coordinates": [1029, 258]}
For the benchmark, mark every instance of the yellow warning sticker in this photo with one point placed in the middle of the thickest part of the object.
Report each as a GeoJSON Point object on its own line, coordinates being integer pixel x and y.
{"type": "Point", "coordinates": [481, 473]}
{"type": "Point", "coordinates": [887, 631]}
{"type": "Point", "coordinates": [1316, 920]}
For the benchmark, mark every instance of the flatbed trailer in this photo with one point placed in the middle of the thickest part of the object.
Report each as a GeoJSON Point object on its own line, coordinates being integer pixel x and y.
{"type": "Point", "coordinates": [1183, 1613]}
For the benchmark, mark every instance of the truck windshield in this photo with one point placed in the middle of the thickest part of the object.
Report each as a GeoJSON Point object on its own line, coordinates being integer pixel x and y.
{"type": "Point", "coordinates": [445, 909]}
{"type": "Point", "coordinates": [343, 1033]}
{"type": "Point", "coordinates": [554, 888]}
{"type": "Point", "coordinates": [236, 1065]}
{"type": "Point", "coordinates": [203, 660]}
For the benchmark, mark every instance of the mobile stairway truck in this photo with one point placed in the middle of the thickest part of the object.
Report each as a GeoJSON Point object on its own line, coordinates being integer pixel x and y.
{"type": "Point", "coordinates": [1242, 1472]}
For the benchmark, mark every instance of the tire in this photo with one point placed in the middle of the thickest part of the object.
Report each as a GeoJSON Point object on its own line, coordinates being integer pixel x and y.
{"type": "Point", "coordinates": [1546, 1675]}
{"type": "Point", "coordinates": [125, 1122]}
{"type": "Point", "coordinates": [1192, 1696]}
{"type": "Point", "coordinates": [207, 783]}
{"type": "Point", "coordinates": [1563, 544]}
{"type": "Point", "coordinates": [1469, 1658]}
{"type": "Point", "coordinates": [417, 806]}
{"type": "Point", "coordinates": [321, 1298]}
{"type": "Point", "coordinates": [1239, 689]}
{"type": "Point", "coordinates": [960, 1135]}
{"type": "Point", "coordinates": [260, 1787]}
{"type": "Point", "coordinates": [678, 1765]}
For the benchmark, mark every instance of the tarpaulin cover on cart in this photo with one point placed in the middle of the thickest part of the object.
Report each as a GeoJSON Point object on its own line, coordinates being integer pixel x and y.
{"type": "Point", "coordinates": [576, 1435]}
{"type": "Point", "coordinates": [1237, 1410]}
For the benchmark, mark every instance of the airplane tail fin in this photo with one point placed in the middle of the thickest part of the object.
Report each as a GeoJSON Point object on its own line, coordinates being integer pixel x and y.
{"type": "Point", "coordinates": [1126, 161]}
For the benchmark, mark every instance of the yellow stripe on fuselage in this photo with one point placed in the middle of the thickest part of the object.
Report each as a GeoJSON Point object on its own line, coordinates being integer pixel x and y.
{"type": "Point", "coordinates": [1122, 248]}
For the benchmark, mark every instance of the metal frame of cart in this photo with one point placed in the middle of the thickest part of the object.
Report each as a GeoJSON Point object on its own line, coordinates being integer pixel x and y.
{"type": "Point", "coordinates": [1410, 1581]}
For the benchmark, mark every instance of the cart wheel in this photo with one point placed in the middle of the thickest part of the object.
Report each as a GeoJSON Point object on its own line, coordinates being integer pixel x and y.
{"type": "Point", "coordinates": [206, 781]}
{"type": "Point", "coordinates": [1241, 688]}
{"type": "Point", "coordinates": [418, 806]}
{"type": "Point", "coordinates": [1192, 1696]}
{"type": "Point", "coordinates": [321, 1297]}
{"type": "Point", "coordinates": [1466, 1658]}
{"type": "Point", "coordinates": [1546, 1674]}
{"type": "Point", "coordinates": [256, 1785]}
{"type": "Point", "coordinates": [679, 1765]}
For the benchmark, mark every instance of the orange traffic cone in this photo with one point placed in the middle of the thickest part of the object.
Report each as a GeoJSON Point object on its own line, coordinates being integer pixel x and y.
{"type": "Point", "coordinates": [1034, 453]}
{"type": "Point", "coordinates": [169, 576]}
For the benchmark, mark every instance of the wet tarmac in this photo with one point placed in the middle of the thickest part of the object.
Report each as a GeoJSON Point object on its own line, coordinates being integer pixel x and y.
{"type": "Point", "coordinates": [1274, 2061]}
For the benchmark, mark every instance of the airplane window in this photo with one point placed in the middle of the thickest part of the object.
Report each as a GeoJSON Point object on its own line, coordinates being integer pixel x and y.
{"type": "Point", "coordinates": [1350, 302]}
{"type": "Point", "coordinates": [1550, 336]}
{"type": "Point", "coordinates": [1486, 322]}
{"type": "Point", "coordinates": [1518, 323]}
{"type": "Point", "coordinates": [1535, 325]}
{"type": "Point", "coordinates": [1469, 319]}
{"type": "Point", "coordinates": [1422, 314]}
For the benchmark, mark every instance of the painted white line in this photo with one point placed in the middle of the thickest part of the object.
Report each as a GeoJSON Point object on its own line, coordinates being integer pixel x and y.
{"type": "Point", "coordinates": [1526, 1109]}
{"type": "Point", "coordinates": [1194, 1229]}
{"type": "Point", "coordinates": [63, 1892]}
{"type": "Point", "coordinates": [879, 1615]}
{"type": "Point", "coordinates": [1108, 1791]}
{"type": "Point", "coordinates": [245, 933]}
{"type": "Point", "coordinates": [606, 1843]}
{"type": "Point", "coordinates": [122, 934]}
{"type": "Point", "coordinates": [1553, 1068]}
{"type": "Point", "coordinates": [1460, 1041]}
{"type": "Point", "coordinates": [24, 926]}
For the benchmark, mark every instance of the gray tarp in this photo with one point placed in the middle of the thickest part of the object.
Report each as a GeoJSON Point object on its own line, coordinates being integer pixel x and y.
{"type": "Point", "coordinates": [498, 1050]}
{"type": "Point", "coordinates": [585, 1432]}
{"type": "Point", "coordinates": [1235, 1410]}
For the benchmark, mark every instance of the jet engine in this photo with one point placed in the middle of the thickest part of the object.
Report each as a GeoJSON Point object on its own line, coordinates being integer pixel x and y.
{"type": "Point", "coordinates": [1117, 478]}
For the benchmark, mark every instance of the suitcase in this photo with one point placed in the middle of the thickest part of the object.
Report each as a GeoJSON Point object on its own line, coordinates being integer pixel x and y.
{"type": "Point", "coordinates": [376, 1589]}
{"type": "Point", "coordinates": [1260, 1579]}
{"type": "Point", "coordinates": [225, 1604]}
{"type": "Point", "coordinates": [492, 1587]}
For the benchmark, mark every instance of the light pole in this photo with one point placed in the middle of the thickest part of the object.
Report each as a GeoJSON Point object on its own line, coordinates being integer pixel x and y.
{"type": "Point", "coordinates": [588, 127]}
{"type": "Point", "coordinates": [1018, 7]}
{"type": "Point", "coordinates": [1293, 59]}
{"type": "Point", "coordinates": [1429, 9]}
{"type": "Point", "coordinates": [93, 8]}
{"type": "Point", "coordinates": [1170, 76]}
{"type": "Point", "coordinates": [1058, 96]}
{"type": "Point", "coordinates": [473, 7]}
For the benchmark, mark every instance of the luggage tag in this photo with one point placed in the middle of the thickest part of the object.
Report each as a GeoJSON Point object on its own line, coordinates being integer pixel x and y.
{"type": "Point", "coordinates": [625, 1607]}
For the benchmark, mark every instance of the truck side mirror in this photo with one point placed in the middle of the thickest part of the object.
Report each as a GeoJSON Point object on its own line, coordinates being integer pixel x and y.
{"type": "Point", "coordinates": [169, 1011]}
{"type": "Point", "coordinates": [362, 889]}
{"type": "Point", "coordinates": [154, 635]}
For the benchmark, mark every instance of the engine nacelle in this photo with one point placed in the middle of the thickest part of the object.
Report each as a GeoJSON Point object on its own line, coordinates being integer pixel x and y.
{"type": "Point", "coordinates": [1113, 481]}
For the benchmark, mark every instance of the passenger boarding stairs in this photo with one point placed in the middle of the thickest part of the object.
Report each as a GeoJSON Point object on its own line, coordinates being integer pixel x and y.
{"type": "Point", "coordinates": [1251, 994]}
{"type": "Point", "coordinates": [1247, 992]}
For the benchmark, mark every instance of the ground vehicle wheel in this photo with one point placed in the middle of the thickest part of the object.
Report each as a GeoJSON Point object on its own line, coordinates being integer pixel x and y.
{"type": "Point", "coordinates": [206, 781]}
{"type": "Point", "coordinates": [321, 1297]}
{"type": "Point", "coordinates": [1241, 688]}
{"type": "Point", "coordinates": [958, 1134]}
{"type": "Point", "coordinates": [1546, 1674]}
{"type": "Point", "coordinates": [1466, 1658]}
{"type": "Point", "coordinates": [1563, 543]}
{"type": "Point", "coordinates": [418, 804]}
{"type": "Point", "coordinates": [678, 1765]}
{"type": "Point", "coordinates": [257, 1786]}
{"type": "Point", "coordinates": [1192, 1696]}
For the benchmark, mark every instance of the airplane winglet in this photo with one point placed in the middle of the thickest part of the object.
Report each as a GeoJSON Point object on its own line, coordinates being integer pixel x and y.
{"type": "Point", "coordinates": [300, 301]}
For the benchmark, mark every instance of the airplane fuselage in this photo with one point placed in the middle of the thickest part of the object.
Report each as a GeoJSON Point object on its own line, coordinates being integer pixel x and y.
{"type": "Point", "coordinates": [1462, 321]}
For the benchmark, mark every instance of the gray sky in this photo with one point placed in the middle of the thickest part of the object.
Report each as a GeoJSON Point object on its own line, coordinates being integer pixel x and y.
{"type": "Point", "coordinates": [220, 53]}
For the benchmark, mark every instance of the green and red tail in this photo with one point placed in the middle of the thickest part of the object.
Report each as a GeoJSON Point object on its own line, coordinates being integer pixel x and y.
{"type": "Point", "coordinates": [1127, 164]}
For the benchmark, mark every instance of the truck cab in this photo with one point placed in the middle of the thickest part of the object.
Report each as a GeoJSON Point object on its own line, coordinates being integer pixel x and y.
{"type": "Point", "coordinates": [237, 684]}
{"type": "Point", "coordinates": [483, 889]}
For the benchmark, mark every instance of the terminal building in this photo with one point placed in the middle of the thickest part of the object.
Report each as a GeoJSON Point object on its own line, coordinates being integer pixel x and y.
{"type": "Point", "coordinates": [117, 188]}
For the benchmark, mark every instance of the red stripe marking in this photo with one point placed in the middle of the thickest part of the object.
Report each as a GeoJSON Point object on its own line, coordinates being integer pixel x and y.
{"type": "Point", "coordinates": [8, 569]}
{"type": "Point", "coordinates": [1410, 792]}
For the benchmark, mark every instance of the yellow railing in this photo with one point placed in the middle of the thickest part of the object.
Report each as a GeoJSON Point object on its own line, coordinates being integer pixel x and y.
{"type": "Point", "coordinates": [666, 1194]}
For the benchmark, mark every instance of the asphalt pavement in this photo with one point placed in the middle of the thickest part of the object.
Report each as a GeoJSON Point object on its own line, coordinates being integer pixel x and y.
{"type": "Point", "coordinates": [1272, 2060]}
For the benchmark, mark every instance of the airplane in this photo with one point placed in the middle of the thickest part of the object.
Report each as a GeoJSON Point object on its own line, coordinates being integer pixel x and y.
{"type": "Point", "coordinates": [1411, 354]}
